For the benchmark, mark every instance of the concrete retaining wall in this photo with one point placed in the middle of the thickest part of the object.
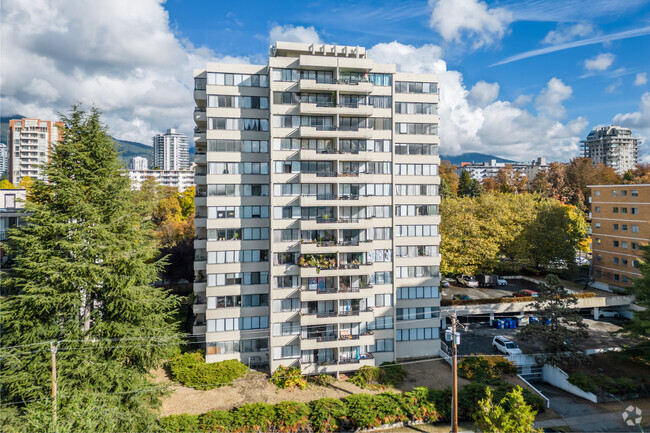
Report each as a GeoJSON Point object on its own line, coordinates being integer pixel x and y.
{"type": "Point", "coordinates": [560, 379]}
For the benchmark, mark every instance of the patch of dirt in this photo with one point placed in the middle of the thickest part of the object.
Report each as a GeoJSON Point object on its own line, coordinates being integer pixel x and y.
{"type": "Point", "coordinates": [252, 388]}
{"type": "Point", "coordinates": [255, 387]}
{"type": "Point", "coordinates": [433, 373]}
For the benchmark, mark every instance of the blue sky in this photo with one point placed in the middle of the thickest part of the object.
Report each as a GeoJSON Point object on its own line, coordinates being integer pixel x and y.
{"type": "Point", "coordinates": [519, 79]}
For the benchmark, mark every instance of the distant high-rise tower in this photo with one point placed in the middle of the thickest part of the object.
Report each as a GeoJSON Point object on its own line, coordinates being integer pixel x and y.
{"type": "Point", "coordinates": [4, 158]}
{"type": "Point", "coordinates": [30, 144]}
{"type": "Point", "coordinates": [139, 163]}
{"type": "Point", "coordinates": [612, 146]}
{"type": "Point", "coordinates": [170, 151]}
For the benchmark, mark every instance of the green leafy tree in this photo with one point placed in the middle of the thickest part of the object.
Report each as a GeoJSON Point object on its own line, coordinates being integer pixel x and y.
{"type": "Point", "coordinates": [445, 190]}
{"type": "Point", "coordinates": [639, 326]}
{"type": "Point", "coordinates": [84, 265]}
{"type": "Point", "coordinates": [556, 233]}
{"type": "Point", "coordinates": [464, 183]}
{"type": "Point", "coordinates": [449, 176]}
{"type": "Point", "coordinates": [566, 327]}
{"type": "Point", "coordinates": [5, 184]}
{"type": "Point", "coordinates": [510, 415]}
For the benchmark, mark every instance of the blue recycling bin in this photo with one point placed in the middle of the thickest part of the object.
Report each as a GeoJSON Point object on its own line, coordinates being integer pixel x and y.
{"type": "Point", "coordinates": [513, 323]}
{"type": "Point", "coordinates": [498, 323]}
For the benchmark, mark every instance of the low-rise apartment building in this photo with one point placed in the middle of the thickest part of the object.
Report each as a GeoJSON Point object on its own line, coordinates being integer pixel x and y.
{"type": "Point", "coordinates": [181, 179]}
{"type": "Point", "coordinates": [12, 202]}
{"type": "Point", "coordinates": [620, 226]}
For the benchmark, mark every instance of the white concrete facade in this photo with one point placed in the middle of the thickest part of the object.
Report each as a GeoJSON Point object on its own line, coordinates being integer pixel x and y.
{"type": "Point", "coordinates": [30, 144]}
{"type": "Point", "coordinates": [482, 170]}
{"type": "Point", "coordinates": [170, 151]}
{"type": "Point", "coordinates": [612, 146]}
{"type": "Point", "coordinates": [4, 158]}
{"type": "Point", "coordinates": [139, 163]}
{"type": "Point", "coordinates": [316, 210]}
{"type": "Point", "coordinates": [181, 179]}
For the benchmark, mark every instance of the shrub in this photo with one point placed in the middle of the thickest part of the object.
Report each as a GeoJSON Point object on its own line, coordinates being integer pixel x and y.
{"type": "Point", "coordinates": [441, 399]}
{"type": "Point", "coordinates": [291, 416]}
{"type": "Point", "coordinates": [366, 376]}
{"type": "Point", "coordinates": [394, 373]}
{"type": "Point", "coordinates": [184, 423]}
{"type": "Point", "coordinates": [253, 417]}
{"type": "Point", "coordinates": [288, 377]}
{"type": "Point", "coordinates": [389, 373]}
{"type": "Point", "coordinates": [327, 414]}
{"type": "Point", "coordinates": [361, 411]}
{"type": "Point", "coordinates": [416, 405]}
{"type": "Point", "coordinates": [324, 379]}
{"type": "Point", "coordinates": [485, 369]}
{"type": "Point", "coordinates": [388, 408]}
{"type": "Point", "coordinates": [191, 370]}
{"type": "Point", "coordinates": [216, 421]}
{"type": "Point", "coordinates": [584, 382]}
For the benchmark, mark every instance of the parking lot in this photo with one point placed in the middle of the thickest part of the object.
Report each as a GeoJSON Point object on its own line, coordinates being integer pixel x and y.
{"type": "Point", "coordinates": [478, 337]}
{"type": "Point", "coordinates": [513, 286]}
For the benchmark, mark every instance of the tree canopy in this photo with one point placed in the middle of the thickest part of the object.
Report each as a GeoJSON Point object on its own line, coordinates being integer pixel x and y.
{"type": "Point", "coordinates": [84, 267]}
{"type": "Point", "coordinates": [478, 231]}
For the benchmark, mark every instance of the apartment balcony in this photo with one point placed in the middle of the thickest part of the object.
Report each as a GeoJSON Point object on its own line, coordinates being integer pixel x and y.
{"type": "Point", "coordinates": [335, 155]}
{"type": "Point", "coordinates": [332, 108]}
{"type": "Point", "coordinates": [200, 305]}
{"type": "Point", "coordinates": [335, 367]}
{"type": "Point", "coordinates": [200, 264]}
{"type": "Point", "coordinates": [200, 179]}
{"type": "Point", "coordinates": [333, 293]}
{"type": "Point", "coordinates": [333, 223]}
{"type": "Point", "coordinates": [360, 87]}
{"type": "Point", "coordinates": [200, 116]}
{"type": "Point", "coordinates": [200, 221]}
{"type": "Point", "coordinates": [331, 318]}
{"type": "Point", "coordinates": [331, 341]}
{"type": "Point", "coordinates": [200, 243]}
{"type": "Point", "coordinates": [199, 94]}
{"type": "Point", "coordinates": [344, 270]}
{"type": "Point", "coordinates": [314, 247]}
{"type": "Point", "coordinates": [318, 131]}
{"type": "Point", "coordinates": [200, 157]}
{"type": "Point", "coordinates": [199, 135]}
{"type": "Point", "coordinates": [319, 200]}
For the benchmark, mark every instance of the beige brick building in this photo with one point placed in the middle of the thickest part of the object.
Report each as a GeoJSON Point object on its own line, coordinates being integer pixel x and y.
{"type": "Point", "coordinates": [317, 210]}
{"type": "Point", "coordinates": [620, 227]}
{"type": "Point", "coordinates": [30, 144]}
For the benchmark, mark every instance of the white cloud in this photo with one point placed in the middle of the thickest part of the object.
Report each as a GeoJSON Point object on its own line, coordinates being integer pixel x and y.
{"type": "Point", "coordinates": [567, 33]}
{"type": "Point", "coordinates": [473, 121]}
{"type": "Point", "coordinates": [639, 123]}
{"type": "Point", "coordinates": [119, 55]}
{"type": "Point", "coordinates": [641, 79]}
{"type": "Point", "coordinates": [551, 99]}
{"type": "Point", "coordinates": [289, 33]}
{"type": "Point", "coordinates": [613, 86]}
{"type": "Point", "coordinates": [600, 62]}
{"type": "Point", "coordinates": [454, 19]}
{"type": "Point", "coordinates": [483, 93]}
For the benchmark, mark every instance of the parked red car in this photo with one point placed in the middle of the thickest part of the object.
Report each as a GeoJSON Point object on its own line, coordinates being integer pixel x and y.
{"type": "Point", "coordinates": [523, 293]}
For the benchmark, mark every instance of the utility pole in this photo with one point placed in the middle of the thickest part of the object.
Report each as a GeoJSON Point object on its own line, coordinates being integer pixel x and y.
{"type": "Point", "coordinates": [451, 334]}
{"type": "Point", "coordinates": [53, 348]}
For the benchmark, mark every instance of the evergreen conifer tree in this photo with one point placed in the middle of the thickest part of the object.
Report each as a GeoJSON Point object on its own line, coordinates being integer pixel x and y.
{"type": "Point", "coordinates": [83, 274]}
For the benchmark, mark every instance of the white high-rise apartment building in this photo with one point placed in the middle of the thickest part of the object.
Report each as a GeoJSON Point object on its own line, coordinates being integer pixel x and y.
{"type": "Point", "coordinates": [170, 151]}
{"type": "Point", "coordinates": [4, 158]}
{"type": "Point", "coordinates": [139, 163]}
{"type": "Point", "coordinates": [30, 144]}
{"type": "Point", "coordinates": [612, 146]}
{"type": "Point", "coordinates": [317, 210]}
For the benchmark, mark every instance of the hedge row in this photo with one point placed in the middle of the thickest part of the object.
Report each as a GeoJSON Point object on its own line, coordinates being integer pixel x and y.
{"type": "Point", "coordinates": [485, 369]}
{"type": "Point", "coordinates": [325, 414]}
{"type": "Point", "coordinates": [358, 411]}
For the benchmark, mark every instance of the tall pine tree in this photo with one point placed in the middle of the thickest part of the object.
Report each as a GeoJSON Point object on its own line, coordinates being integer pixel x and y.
{"type": "Point", "coordinates": [83, 274]}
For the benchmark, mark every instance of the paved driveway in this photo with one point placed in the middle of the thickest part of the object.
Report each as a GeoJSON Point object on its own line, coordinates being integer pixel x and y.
{"type": "Point", "coordinates": [580, 415]}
